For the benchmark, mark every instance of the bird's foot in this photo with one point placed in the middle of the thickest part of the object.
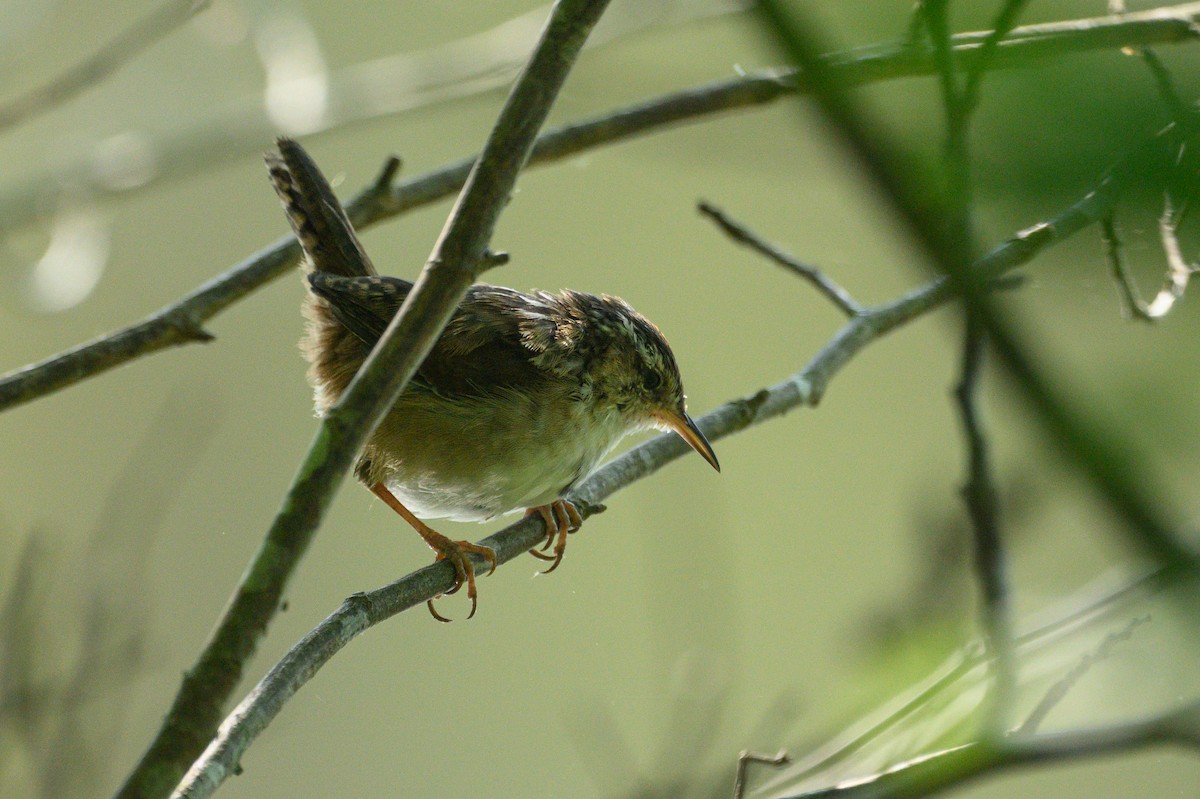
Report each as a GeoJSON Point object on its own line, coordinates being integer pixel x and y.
{"type": "Point", "coordinates": [464, 571]}
{"type": "Point", "coordinates": [561, 517]}
{"type": "Point", "coordinates": [454, 551]}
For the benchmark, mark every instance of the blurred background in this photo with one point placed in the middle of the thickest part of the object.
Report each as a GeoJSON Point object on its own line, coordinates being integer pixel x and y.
{"type": "Point", "coordinates": [823, 572]}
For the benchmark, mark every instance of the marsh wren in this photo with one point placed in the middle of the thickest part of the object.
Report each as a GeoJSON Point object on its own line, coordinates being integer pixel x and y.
{"type": "Point", "coordinates": [519, 400]}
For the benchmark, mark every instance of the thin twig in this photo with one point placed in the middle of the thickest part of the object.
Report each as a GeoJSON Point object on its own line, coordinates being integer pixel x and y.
{"type": "Point", "coordinates": [1130, 299]}
{"type": "Point", "coordinates": [121, 50]}
{"type": "Point", "coordinates": [1183, 116]}
{"type": "Point", "coordinates": [1004, 23]}
{"type": "Point", "coordinates": [179, 322]}
{"type": "Point", "coordinates": [191, 151]}
{"type": "Point", "coordinates": [929, 774]}
{"type": "Point", "coordinates": [457, 259]}
{"type": "Point", "coordinates": [743, 235]}
{"type": "Point", "coordinates": [1063, 686]}
{"type": "Point", "coordinates": [743, 762]}
{"type": "Point", "coordinates": [1108, 462]}
{"type": "Point", "coordinates": [960, 98]}
{"type": "Point", "coordinates": [958, 236]}
{"type": "Point", "coordinates": [1179, 271]}
{"type": "Point", "coordinates": [935, 13]}
{"type": "Point", "coordinates": [806, 387]}
{"type": "Point", "coordinates": [991, 565]}
{"type": "Point", "coordinates": [1086, 607]}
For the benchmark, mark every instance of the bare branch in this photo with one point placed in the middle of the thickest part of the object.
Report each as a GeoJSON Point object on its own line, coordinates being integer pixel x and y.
{"type": "Point", "coordinates": [1178, 269]}
{"type": "Point", "coordinates": [743, 235]}
{"type": "Point", "coordinates": [1183, 116]}
{"type": "Point", "coordinates": [1116, 261]}
{"type": "Point", "coordinates": [201, 149]}
{"type": "Point", "coordinates": [1005, 21]}
{"type": "Point", "coordinates": [178, 323]}
{"type": "Point", "coordinates": [807, 386]}
{"type": "Point", "coordinates": [744, 761]}
{"type": "Point", "coordinates": [114, 55]}
{"type": "Point", "coordinates": [457, 259]}
{"type": "Point", "coordinates": [935, 772]}
{"type": "Point", "coordinates": [1086, 606]}
{"type": "Point", "coordinates": [957, 229]}
{"type": "Point", "coordinates": [1062, 687]}
{"type": "Point", "coordinates": [1110, 464]}
{"type": "Point", "coordinates": [991, 565]}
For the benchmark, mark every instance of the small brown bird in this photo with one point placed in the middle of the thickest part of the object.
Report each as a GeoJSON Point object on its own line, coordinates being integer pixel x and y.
{"type": "Point", "coordinates": [519, 400]}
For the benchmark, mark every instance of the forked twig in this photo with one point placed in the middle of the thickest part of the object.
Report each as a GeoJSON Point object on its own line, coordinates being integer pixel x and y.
{"type": "Point", "coordinates": [457, 259]}
{"type": "Point", "coordinates": [743, 235]}
{"type": "Point", "coordinates": [743, 762]}
{"type": "Point", "coordinates": [1063, 686]}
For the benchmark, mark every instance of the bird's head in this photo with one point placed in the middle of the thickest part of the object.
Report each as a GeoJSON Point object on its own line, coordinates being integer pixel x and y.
{"type": "Point", "coordinates": [634, 372]}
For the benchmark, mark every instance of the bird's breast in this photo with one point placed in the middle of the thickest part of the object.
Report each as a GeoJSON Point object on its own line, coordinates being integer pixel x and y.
{"type": "Point", "coordinates": [472, 458]}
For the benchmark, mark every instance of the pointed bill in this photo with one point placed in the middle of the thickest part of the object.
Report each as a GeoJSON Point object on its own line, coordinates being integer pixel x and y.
{"type": "Point", "coordinates": [682, 424]}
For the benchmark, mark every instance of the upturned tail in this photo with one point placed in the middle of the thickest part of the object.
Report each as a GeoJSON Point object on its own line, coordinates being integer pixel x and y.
{"type": "Point", "coordinates": [330, 245]}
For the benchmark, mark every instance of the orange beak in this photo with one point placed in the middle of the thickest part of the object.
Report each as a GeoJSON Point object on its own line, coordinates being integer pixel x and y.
{"type": "Point", "coordinates": [682, 424]}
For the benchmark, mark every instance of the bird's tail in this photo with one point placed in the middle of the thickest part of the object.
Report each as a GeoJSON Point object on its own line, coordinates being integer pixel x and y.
{"type": "Point", "coordinates": [321, 226]}
{"type": "Point", "coordinates": [330, 245]}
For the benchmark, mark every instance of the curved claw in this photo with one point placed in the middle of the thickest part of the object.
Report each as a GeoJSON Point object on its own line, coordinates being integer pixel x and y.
{"type": "Point", "coordinates": [558, 556]}
{"type": "Point", "coordinates": [469, 580]}
{"type": "Point", "coordinates": [560, 518]}
{"type": "Point", "coordinates": [438, 616]}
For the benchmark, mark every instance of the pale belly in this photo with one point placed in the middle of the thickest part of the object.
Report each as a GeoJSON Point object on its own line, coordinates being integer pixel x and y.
{"type": "Point", "coordinates": [473, 461]}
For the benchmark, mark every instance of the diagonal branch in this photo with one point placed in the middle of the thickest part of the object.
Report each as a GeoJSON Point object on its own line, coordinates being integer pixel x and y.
{"type": "Point", "coordinates": [188, 153]}
{"type": "Point", "coordinates": [181, 322]}
{"type": "Point", "coordinates": [1113, 253]}
{"type": "Point", "coordinates": [1179, 271]}
{"type": "Point", "coordinates": [743, 235]}
{"type": "Point", "coordinates": [933, 773]}
{"type": "Point", "coordinates": [1059, 690]}
{"type": "Point", "coordinates": [1109, 464]}
{"type": "Point", "coordinates": [1005, 22]}
{"type": "Point", "coordinates": [991, 565]}
{"type": "Point", "coordinates": [806, 387]}
{"type": "Point", "coordinates": [1086, 607]}
{"type": "Point", "coordinates": [457, 258]}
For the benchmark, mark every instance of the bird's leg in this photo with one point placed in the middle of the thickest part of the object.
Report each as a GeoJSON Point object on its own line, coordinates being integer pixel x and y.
{"type": "Point", "coordinates": [446, 549]}
{"type": "Point", "coordinates": [561, 517]}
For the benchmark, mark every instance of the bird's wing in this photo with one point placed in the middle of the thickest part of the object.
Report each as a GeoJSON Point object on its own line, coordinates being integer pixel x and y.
{"type": "Point", "coordinates": [364, 305]}
{"type": "Point", "coordinates": [482, 350]}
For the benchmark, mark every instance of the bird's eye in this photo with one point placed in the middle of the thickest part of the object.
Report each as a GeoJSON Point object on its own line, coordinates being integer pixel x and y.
{"type": "Point", "coordinates": [651, 381]}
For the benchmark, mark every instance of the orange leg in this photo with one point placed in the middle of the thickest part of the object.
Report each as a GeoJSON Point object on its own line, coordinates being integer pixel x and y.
{"type": "Point", "coordinates": [446, 549]}
{"type": "Point", "coordinates": [561, 517]}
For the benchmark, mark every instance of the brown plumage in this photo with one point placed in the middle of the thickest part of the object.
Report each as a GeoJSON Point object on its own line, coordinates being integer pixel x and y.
{"type": "Point", "coordinates": [520, 398]}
